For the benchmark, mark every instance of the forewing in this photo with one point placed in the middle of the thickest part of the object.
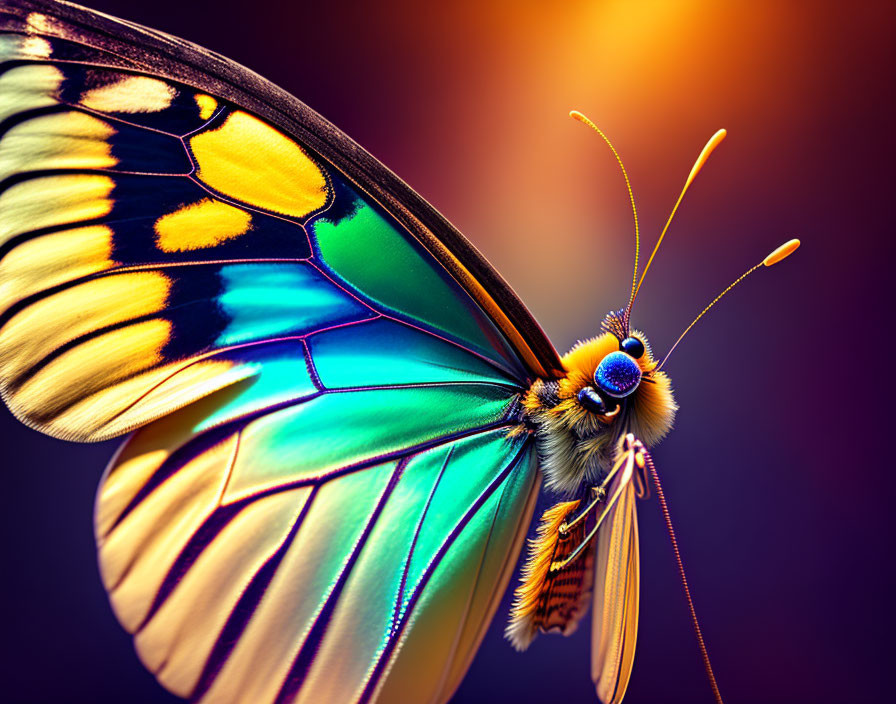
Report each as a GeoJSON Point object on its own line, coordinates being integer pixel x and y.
{"type": "Point", "coordinates": [616, 592]}
{"type": "Point", "coordinates": [149, 230]}
{"type": "Point", "coordinates": [149, 222]}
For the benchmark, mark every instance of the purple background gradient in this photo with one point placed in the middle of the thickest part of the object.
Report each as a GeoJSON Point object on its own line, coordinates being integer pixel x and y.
{"type": "Point", "coordinates": [773, 471]}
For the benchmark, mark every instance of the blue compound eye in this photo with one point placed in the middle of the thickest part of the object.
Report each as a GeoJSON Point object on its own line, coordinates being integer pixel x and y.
{"type": "Point", "coordinates": [617, 375]}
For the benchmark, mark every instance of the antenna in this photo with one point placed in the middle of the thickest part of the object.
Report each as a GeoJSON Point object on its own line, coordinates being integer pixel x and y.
{"type": "Point", "coordinates": [782, 252]}
{"type": "Point", "coordinates": [713, 142]}
{"type": "Point", "coordinates": [576, 115]}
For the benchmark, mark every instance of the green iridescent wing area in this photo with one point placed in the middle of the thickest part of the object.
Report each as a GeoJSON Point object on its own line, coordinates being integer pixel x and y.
{"type": "Point", "coordinates": [328, 482]}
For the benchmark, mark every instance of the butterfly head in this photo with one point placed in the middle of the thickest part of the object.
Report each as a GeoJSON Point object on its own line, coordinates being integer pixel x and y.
{"type": "Point", "coordinates": [611, 388]}
{"type": "Point", "coordinates": [615, 379]}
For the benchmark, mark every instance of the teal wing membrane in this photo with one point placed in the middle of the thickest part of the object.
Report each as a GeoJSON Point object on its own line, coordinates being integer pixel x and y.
{"type": "Point", "coordinates": [328, 484]}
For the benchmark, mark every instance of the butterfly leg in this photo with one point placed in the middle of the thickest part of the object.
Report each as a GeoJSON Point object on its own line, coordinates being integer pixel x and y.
{"type": "Point", "coordinates": [633, 456]}
{"type": "Point", "coordinates": [557, 579]}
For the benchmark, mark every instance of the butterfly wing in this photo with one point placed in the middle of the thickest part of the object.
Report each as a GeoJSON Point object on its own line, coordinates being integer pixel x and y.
{"type": "Point", "coordinates": [297, 556]}
{"type": "Point", "coordinates": [330, 486]}
{"type": "Point", "coordinates": [614, 629]}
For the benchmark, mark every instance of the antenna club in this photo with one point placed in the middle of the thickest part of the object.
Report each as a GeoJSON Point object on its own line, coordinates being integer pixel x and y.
{"type": "Point", "coordinates": [782, 252]}
{"type": "Point", "coordinates": [581, 117]}
{"type": "Point", "coordinates": [713, 142]}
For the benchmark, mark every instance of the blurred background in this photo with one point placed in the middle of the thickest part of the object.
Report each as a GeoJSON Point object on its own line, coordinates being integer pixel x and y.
{"type": "Point", "coordinates": [776, 473]}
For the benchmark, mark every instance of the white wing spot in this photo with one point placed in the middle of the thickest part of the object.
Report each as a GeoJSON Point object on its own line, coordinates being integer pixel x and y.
{"type": "Point", "coordinates": [130, 95]}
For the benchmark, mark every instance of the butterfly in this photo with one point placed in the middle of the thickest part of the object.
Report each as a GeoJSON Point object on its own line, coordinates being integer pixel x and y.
{"type": "Point", "coordinates": [338, 415]}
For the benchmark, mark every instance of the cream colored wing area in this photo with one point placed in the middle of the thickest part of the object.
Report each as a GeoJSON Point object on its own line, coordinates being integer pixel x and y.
{"type": "Point", "coordinates": [448, 625]}
{"type": "Point", "coordinates": [370, 580]}
{"type": "Point", "coordinates": [616, 594]}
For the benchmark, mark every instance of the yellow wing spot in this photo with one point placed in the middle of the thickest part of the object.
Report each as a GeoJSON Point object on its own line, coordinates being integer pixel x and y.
{"type": "Point", "coordinates": [37, 47]}
{"type": "Point", "coordinates": [53, 201]}
{"type": "Point", "coordinates": [39, 22]}
{"type": "Point", "coordinates": [51, 322]}
{"type": "Point", "coordinates": [251, 161]}
{"type": "Point", "coordinates": [103, 374]}
{"type": "Point", "coordinates": [43, 262]}
{"type": "Point", "coordinates": [199, 225]}
{"type": "Point", "coordinates": [207, 105]}
{"type": "Point", "coordinates": [131, 94]}
{"type": "Point", "coordinates": [28, 87]}
{"type": "Point", "coordinates": [68, 140]}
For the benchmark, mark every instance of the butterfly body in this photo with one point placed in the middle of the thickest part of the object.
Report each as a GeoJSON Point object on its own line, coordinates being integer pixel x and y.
{"type": "Point", "coordinates": [584, 423]}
